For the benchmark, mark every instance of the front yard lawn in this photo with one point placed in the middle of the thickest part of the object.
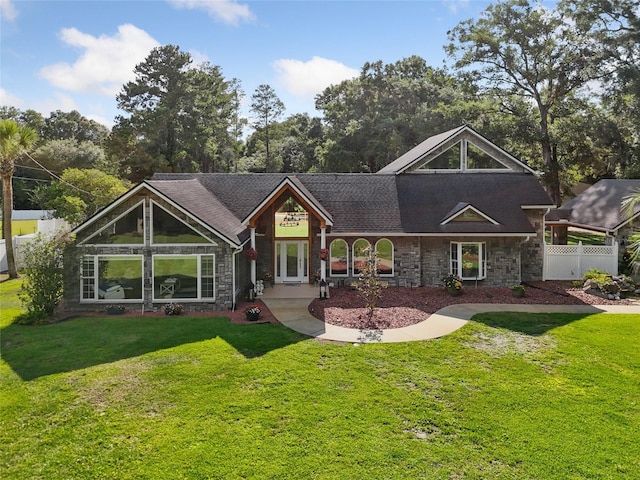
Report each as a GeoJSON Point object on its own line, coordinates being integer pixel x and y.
{"type": "Point", "coordinates": [509, 396]}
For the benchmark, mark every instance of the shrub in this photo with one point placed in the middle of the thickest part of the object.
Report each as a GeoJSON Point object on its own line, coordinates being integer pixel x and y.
{"type": "Point", "coordinates": [42, 287]}
{"type": "Point", "coordinates": [595, 273]}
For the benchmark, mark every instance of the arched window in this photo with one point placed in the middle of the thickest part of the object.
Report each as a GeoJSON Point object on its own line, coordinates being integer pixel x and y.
{"type": "Point", "coordinates": [384, 256]}
{"type": "Point", "coordinates": [361, 252]}
{"type": "Point", "coordinates": [338, 258]}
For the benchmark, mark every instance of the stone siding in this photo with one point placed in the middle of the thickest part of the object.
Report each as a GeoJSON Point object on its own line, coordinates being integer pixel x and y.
{"type": "Point", "coordinates": [533, 249]}
{"type": "Point", "coordinates": [503, 260]}
{"type": "Point", "coordinates": [425, 260]}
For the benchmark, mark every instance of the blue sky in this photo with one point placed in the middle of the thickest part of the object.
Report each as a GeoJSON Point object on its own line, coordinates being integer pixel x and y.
{"type": "Point", "coordinates": [76, 55]}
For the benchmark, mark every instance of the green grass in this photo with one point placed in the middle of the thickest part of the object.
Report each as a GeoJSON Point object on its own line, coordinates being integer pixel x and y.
{"type": "Point", "coordinates": [575, 236]}
{"type": "Point", "coordinates": [509, 396]}
{"type": "Point", "coordinates": [22, 227]}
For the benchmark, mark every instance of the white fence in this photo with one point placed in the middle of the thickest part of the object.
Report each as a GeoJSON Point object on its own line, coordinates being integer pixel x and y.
{"type": "Point", "coordinates": [570, 262]}
{"type": "Point", "coordinates": [17, 251]}
{"type": "Point", "coordinates": [44, 226]}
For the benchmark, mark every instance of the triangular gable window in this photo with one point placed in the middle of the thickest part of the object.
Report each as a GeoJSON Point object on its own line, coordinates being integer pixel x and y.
{"type": "Point", "coordinates": [169, 229]}
{"type": "Point", "coordinates": [468, 214]}
{"type": "Point", "coordinates": [447, 160]}
{"type": "Point", "coordinates": [479, 160]}
{"type": "Point", "coordinates": [461, 156]}
{"type": "Point", "coordinates": [127, 229]}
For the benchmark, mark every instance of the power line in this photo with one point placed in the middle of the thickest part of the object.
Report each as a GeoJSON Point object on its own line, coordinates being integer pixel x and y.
{"type": "Point", "coordinates": [31, 168]}
{"type": "Point", "coordinates": [33, 179]}
{"type": "Point", "coordinates": [62, 180]}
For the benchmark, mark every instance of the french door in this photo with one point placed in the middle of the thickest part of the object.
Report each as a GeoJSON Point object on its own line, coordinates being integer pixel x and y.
{"type": "Point", "coordinates": [292, 261]}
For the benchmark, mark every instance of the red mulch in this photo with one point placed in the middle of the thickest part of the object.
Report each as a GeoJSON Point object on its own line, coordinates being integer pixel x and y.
{"type": "Point", "coordinates": [237, 316]}
{"type": "Point", "coordinates": [400, 306]}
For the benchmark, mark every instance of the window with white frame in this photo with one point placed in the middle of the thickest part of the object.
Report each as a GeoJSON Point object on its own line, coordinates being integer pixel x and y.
{"type": "Point", "coordinates": [339, 258]}
{"type": "Point", "coordinates": [111, 278]}
{"type": "Point", "coordinates": [384, 257]}
{"type": "Point", "coordinates": [184, 277]}
{"type": "Point", "coordinates": [361, 253]}
{"type": "Point", "coordinates": [469, 260]}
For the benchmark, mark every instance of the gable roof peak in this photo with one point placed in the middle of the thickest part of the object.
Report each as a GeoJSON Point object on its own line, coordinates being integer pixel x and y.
{"type": "Point", "coordinates": [435, 145]}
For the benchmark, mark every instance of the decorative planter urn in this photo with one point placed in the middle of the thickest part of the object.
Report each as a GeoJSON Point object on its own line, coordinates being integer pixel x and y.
{"type": "Point", "coordinates": [454, 292]}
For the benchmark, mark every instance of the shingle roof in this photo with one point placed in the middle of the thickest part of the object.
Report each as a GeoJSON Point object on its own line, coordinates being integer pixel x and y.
{"type": "Point", "coordinates": [426, 199]}
{"type": "Point", "coordinates": [599, 206]}
{"type": "Point", "coordinates": [369, 203]}
{"type": "Point", "coordinates": [192, 196]}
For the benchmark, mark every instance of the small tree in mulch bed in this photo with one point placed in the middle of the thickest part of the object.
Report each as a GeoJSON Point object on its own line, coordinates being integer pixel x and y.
{"type": "Point", "coordinates": [369, 285]}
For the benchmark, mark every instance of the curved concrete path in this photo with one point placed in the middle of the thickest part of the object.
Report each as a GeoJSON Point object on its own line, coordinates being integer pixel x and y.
{"type": "Point", "coordinates": [294, 313]}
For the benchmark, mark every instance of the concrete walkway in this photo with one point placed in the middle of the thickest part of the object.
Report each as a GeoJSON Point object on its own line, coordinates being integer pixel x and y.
{"type": "Point", "coordinates": [290, 306]}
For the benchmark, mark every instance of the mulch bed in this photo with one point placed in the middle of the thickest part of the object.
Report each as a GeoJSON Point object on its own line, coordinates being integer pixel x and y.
{"type": "Point", "coordinates": [236, 317]}
{"type": "Point", "coordinates": [401, 306]}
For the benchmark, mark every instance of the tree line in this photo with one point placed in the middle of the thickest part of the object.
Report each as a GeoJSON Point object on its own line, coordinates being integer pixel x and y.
{"type": "Point", "coordinates": [558, 88]}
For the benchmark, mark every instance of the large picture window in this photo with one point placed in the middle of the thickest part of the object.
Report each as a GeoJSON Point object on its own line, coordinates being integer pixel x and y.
{"type": "Point", "coordinates": [339, 258]}
{"type": "Point", "coordinates": [111, 278]}
{"type": "Point", "coordinates": [184, 277]}
{"type": "Point", "coordinates": [361, 253]}
{"type": "Point", "coordinates": [384, 257]}
{"type": "Point", "coordinates": [469, 260]}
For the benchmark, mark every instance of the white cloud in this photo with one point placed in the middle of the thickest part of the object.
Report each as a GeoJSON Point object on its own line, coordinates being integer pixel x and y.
{"type": "Point", "coordinates": [306, 79]}
{"type": "Point", "coordinates": [455, 6]}
{"type": "Point", "coordinates": [101, 120]}
{"type": "Point", "coordinates": [59, 101]}
{"type": "Point", "coordinates": [9, 99]}
{"type": "Point", "coordinates": [198, 57]}
{"type": "Point", "coordinates": [106, 64]}
{"type": "Point", "coordinates": [229, 11]}
{"type": "Point", "coordinates": [8, 10]}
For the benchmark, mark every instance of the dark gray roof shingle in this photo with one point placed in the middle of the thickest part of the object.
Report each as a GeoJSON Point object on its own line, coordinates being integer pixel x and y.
{"type": "Point", "coordinates": [426, 199]}
{"type": "Point", "coordinates": [372, 203]}
{"type": "Point", "coordinates": [599, 206]}
{"type": "Point", "coordinates": [192, 196]}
